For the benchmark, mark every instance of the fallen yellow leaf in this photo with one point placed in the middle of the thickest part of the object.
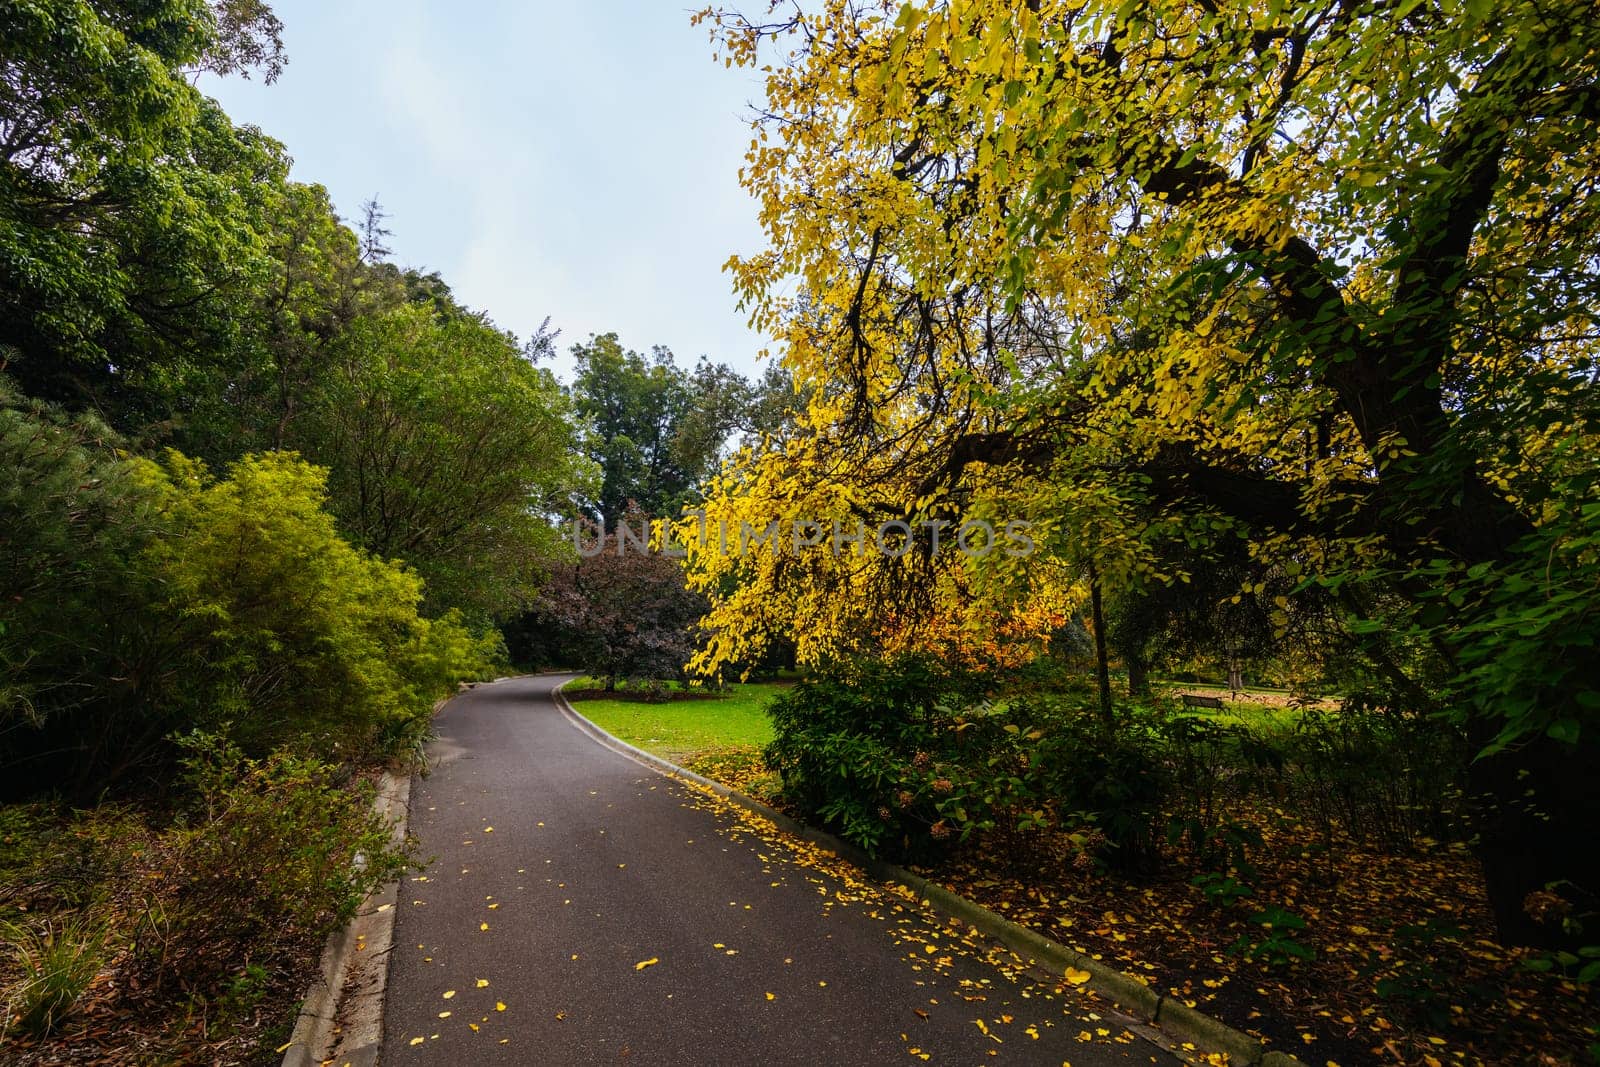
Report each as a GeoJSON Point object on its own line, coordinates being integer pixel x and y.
{"type": "Point", "coordinates": [1077, 977]}
{"type": "Point", "coordinates": [642, 964]}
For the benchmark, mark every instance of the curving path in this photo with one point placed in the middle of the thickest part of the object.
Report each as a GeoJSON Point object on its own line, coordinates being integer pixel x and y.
{"type": "Point", "coordinates": [561, 867]}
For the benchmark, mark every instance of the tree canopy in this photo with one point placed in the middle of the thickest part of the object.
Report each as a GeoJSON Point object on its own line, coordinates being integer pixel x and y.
{"type": "Point", "coordinates": [1318, 277]}
{"type": "Point", "coordinates": [655, 429]}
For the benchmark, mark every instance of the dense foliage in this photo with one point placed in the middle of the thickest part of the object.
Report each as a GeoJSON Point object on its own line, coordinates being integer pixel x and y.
{"type": "Point", "coordinates": [657, 431]}
{"type": "Point", "coordinates": [1312, 282]}
{"type": "Point", "coordinates": [447, 449]}
{"type": "Point", "coordinates": [146, 598]}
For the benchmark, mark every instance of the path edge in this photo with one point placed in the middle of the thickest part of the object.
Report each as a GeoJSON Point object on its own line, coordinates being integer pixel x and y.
{"type": "Point", "coordinates": [1174, 1019]}
{"type": "Point", "coordinates": [316, 1033]}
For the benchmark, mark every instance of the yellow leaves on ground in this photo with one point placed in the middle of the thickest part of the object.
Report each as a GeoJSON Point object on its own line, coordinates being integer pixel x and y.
{"type": "Point", "coordinates": [499, 1005]}
{"type": "Point", "coordinates": [1077, 977]}
{"type": "Point", "coordinates": [448, 993]}
{"type": "Point", "coordinates": [772, 996]}
{"type": "Point", "coordinates": [482, 982]}
{"type": "Point", "coordinates": [642, 964]}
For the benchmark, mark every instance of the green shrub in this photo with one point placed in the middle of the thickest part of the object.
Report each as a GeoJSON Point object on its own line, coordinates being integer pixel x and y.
{"type": "Point", "coordinates": [289, 631]}
{"type": "Point", "coordinates": [1275, 941]}
{"type": "Point", "coordinates": [139, 599]}
{"type": "Point", "coordinates": [1221, 890]}
{"type": "Point", "coordinates": [279, 852]}
{"type": "Point", "coordinates": [856, 747]}
{"type": "Point", "coordinates": [905, 758]}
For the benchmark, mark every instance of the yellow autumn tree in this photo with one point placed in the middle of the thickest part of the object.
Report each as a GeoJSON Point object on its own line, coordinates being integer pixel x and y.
{"type": "Point", "coordinates": [1316, 276]}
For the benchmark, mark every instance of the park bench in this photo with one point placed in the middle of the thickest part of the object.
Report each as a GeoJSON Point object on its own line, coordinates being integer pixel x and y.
{"type": "Point", "coordinates": [1190, 700]}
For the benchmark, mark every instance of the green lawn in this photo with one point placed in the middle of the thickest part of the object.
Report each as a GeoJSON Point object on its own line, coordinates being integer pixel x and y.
{"type": "Point", "coordinates": [679, 728]}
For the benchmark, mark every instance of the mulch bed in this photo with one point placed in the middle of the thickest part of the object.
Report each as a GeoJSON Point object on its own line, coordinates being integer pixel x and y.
{"type": "Point", "coordinates": [1456, 995]}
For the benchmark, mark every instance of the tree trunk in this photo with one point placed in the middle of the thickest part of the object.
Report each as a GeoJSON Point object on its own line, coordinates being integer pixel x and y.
{"type": "Point", "coordinates": [1138, 673]}
{"type": "Point", "coordinates": [1102, 660]}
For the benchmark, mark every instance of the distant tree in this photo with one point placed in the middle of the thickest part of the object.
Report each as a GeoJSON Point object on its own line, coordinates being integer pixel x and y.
{"type": "Point", "coordinates": [373, 232]}
{"type": "Point", "coordinates": [655, 430]}
{"type": "Point", "coordinates": [621, 613]}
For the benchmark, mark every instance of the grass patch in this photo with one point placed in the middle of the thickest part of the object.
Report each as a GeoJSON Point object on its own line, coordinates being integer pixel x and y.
{"type": "Point", "coordinates": [682, 728]}
{"type": "Point", "coordinates": [1265, 717]}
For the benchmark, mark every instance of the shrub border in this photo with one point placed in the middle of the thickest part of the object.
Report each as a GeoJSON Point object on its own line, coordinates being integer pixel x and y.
{"type": "Point", "coordinates": [1173, 1019]}
{"type": "Point", "coordinates": [354, 974]}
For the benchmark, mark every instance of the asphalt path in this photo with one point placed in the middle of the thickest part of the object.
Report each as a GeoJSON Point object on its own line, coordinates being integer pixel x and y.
{"type": "Point", "coordinates": [581, 908]}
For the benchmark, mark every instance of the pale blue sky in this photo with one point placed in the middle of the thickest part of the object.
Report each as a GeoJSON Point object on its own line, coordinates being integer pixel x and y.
{"type": "Point", "coordinates": [577, 160]}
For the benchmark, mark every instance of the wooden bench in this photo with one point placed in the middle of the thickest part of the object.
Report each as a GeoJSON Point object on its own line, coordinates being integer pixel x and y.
{"type": "Point", "coordinates": [1191, 700]}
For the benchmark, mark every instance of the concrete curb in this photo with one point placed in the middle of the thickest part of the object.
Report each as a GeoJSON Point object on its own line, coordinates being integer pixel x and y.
{"type": "Point", "coordinates": [1173, 1019]}
{"type": "Point", "coordinates": [342, 1013]}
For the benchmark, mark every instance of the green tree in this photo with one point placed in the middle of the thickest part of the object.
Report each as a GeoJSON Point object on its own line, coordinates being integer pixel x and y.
{"type": "Point", "coordinates": [655, 430]}
{"type": "Point", "coordinates": [130, 207]}
{"type": "Point", "coordinates": [289, 631]}
{"type": "Point", "coordinates": [448, 449]}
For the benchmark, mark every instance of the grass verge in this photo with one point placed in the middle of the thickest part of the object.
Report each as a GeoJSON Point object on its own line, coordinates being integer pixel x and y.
{"type": "Point", "coordinates": [677, 730]}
